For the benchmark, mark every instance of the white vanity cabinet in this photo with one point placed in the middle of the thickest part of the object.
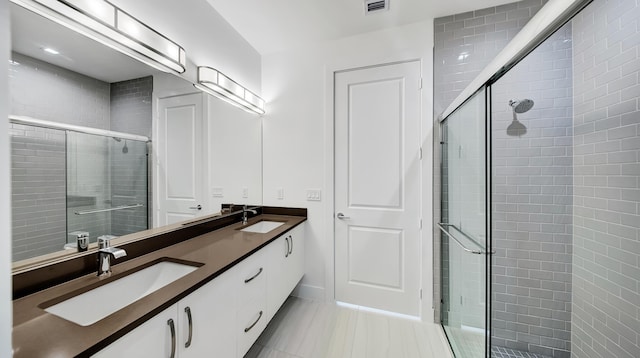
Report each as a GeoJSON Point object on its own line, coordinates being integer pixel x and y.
{"type": "Point", "coordinates": [151, 339]}
{"type": "Point", "coordinates": [286, 267]}
{"type": "Point", "coordinates": [200, 323]}
{"type": "Point", "coordinates": [224, 317]}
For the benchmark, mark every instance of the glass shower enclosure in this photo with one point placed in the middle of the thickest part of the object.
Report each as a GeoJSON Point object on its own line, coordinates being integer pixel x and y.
{"type": "Point", "coordinates": [464, 228]}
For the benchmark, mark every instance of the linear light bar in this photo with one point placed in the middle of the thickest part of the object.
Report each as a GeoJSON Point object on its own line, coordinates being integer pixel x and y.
{"type": "Point", "coordinates": [215, 83]}
{"type": "Point", "coordinates": [106, 23]}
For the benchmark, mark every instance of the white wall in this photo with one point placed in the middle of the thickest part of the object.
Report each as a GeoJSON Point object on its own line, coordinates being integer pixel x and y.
{"type": "Point", "coordinates": [298, 135]}
{"type": "Point", "coordinates": [208, 39]}
{"type": "Point", "coordinates": [5, 209]}
{"type": "Point", "coordinates": [235, 154]}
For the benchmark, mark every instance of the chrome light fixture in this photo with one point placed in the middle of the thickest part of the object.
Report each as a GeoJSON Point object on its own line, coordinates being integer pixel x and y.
{"type": "Point", "coordinates": [106, 23]}
{"type": "Point", "coordinates": [215, 83]}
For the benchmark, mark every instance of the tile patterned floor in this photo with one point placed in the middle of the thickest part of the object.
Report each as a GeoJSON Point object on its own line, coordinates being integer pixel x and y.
{"type": "Point", "coordinates": [501, 352]}
{"type": "Point", "coordinates": [310, 329]}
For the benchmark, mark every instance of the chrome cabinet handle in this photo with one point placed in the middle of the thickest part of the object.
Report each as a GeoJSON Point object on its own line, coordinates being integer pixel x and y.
{"type": "Point", "coordinates": [254, 276]}
{"type": "Point", "coordinates": [254, 323]}
{"type": "Point", "coordinates": [199, 207]}
{"type": "Point", "coordinates": [286, 239]}
{"type": "Point", "coordinates": [291, 241]}
{"type": "Point", "coordinates": [172, 327]}
{"type": "Point", "coordinates": [188, 342]}
{"type": "Point", "coordinates": [342, 217]}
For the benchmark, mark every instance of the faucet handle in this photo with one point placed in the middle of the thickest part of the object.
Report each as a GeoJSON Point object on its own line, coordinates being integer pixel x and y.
{"type": "Point", "coordinates": [103, 243]}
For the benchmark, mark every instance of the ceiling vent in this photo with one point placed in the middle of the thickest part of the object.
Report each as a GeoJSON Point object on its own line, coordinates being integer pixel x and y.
{"type": "Point", "coordinates": [371, 6]}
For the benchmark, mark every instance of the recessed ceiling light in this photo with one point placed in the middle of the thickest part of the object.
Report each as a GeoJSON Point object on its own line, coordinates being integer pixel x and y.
{"type": "Point", "coordinates": [50, 50]}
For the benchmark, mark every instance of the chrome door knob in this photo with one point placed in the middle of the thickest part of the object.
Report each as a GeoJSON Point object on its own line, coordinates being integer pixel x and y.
{"type": "Point", "coordinates": [341, 216]}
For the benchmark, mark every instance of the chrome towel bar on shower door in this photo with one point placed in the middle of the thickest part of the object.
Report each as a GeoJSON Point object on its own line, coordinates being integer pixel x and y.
{"type": "Point", "coordinates": [446, 232]}
{"type": "Point", "coordinates": [121, 207]}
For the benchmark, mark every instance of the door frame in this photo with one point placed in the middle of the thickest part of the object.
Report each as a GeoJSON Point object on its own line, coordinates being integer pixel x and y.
{"type": "Point", "coordinates": [425, 262]}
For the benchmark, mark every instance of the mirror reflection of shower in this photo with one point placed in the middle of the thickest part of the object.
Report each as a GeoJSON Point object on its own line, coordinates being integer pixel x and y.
{"type": "Point", "coordinates": [518, 106]}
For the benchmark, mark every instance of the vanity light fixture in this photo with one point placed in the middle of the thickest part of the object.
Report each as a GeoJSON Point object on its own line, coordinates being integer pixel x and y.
{"type": "Point", "coordinates": [106, 23]}
{"type": "Point", "coordinates": [215, 83]}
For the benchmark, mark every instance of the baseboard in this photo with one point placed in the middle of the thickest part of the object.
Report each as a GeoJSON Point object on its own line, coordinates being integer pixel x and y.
{"type": "Point", "coordinates": [309, 292]}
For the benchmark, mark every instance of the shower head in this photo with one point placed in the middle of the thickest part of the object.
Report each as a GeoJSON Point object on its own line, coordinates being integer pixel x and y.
{"type": "Point", "coordinates": [521, 106]}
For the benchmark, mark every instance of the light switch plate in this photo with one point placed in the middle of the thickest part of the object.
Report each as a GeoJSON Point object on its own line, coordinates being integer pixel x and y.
{"type": "Point", "coordinates": [245, 192]}
{"type": "Point", "coordinates": [314, 195]}
{"type": "Point", "coordinates": [217, 192]}
{"type": "Point", "coordinates": [280, 193]}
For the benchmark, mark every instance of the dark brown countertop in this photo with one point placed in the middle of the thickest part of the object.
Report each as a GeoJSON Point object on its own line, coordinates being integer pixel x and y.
{"type": "Point", "coordinates": [37, 333]}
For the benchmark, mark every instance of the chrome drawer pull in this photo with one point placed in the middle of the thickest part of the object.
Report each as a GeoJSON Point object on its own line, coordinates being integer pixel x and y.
{"type": "Point", "coordinates": [286, 239]}
{"type": "Point", "coordinates": [254, 323]}
{"type": "Point", "coordinates": [172, 327]}
{"type": "Point", "coordinates": [188, 311]}
{"type": "Point", "coordinates": [254, 276]}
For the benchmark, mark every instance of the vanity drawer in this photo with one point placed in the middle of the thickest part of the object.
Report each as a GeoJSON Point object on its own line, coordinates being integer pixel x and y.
{"type": "Point", "coordinates": [251, 320]}
{"type": "Point", "coordinates": [251, 276]}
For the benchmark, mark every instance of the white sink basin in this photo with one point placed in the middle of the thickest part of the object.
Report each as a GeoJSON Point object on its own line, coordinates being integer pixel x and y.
{"type": "Point", "coordinates": [92, 306]}
{"type": "Point", "coordinates": [262, 227]}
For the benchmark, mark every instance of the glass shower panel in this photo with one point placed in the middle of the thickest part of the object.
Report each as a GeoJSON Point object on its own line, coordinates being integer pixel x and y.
{"type": "Point", "coordinates": [464, 227]}
{"type": "Point", "coordinates": [106, 186]}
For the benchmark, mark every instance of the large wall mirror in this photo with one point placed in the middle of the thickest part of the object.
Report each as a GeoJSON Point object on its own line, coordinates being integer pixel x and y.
{"type": "Point", "coordinates": [102, 176]}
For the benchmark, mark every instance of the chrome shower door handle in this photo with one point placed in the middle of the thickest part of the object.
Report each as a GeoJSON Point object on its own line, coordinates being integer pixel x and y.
{"type": "Point", "coordinates": [341, 216]}
{"type": "Point", "coordinates": [199, 207]}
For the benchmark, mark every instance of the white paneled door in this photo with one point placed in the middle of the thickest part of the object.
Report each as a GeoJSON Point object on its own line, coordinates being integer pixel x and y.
{"type": "Point", "coordinates": [181, 162]}
{"type": "Point", "coordinates": [377, 187]}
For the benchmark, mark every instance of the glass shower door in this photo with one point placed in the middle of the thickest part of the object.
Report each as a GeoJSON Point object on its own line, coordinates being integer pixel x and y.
{"type": "Point", "coordinates": [464, 228]}
{"type": "Point", "coordinates": [107, 187]}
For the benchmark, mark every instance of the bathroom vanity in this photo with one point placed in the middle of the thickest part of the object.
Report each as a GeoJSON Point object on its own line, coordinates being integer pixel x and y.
{"type": "Point", "coordinates": [228, 284]}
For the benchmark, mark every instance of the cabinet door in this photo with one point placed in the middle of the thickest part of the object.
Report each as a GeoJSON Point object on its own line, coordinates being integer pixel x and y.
{"type": "Point", "coordinates": [278, 256]}
{"type": "Point", "coordinates": [296, 257]}
{"type": "Point", "coordinates": [151, 339]}
{"type": "Point", "coordinates": [206, 317]}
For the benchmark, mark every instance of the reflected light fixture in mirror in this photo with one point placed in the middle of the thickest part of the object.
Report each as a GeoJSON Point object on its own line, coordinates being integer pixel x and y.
{"type": "Point", "coordinates": [109, 25]}
{"type": "Point", "coordinates": [215, 83]}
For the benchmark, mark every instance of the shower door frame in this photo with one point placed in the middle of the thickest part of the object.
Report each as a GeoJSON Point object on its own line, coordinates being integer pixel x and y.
{"type": "Point", "coordinates": [488, 249]}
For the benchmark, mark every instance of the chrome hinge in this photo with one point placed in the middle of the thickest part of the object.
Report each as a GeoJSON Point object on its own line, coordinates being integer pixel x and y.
{"type": "Point", "coordinates": [420, 293]}
{"type": "Point", "coordinates": [420, 224]}
{"type": "Point", "coordinates": [420, 85]}
{"type": "Point", "coordinates": [420, 152]}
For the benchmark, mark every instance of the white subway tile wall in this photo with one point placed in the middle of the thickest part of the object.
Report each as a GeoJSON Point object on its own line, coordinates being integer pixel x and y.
{"type": "Point", "coordinates": [532, 202]}
{"type": "Point", "coordinates": [606, 218]}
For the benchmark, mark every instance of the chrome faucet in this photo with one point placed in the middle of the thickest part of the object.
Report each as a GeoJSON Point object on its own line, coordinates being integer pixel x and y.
{"type": "Point", "coordinates": [105, 252]}
{"type": "Point", "coordinates": [244, 214]}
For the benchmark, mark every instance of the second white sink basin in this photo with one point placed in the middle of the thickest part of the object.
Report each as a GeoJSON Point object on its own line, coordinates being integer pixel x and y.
{"type": "Point", "coordinates": [263, 227]}
{"type": "Point", "coordinates": [90, 307]}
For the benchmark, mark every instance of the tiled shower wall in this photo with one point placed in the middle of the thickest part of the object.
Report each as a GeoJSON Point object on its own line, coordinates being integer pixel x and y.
{"type": "Point", "coordinates": [606, 271]}
{"type": "Point", "coordinates": [131, 113]}
{"type": "Point", "coordinates": [532, 202]}
{"type": "Point", "coordinates": [44, 91]}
